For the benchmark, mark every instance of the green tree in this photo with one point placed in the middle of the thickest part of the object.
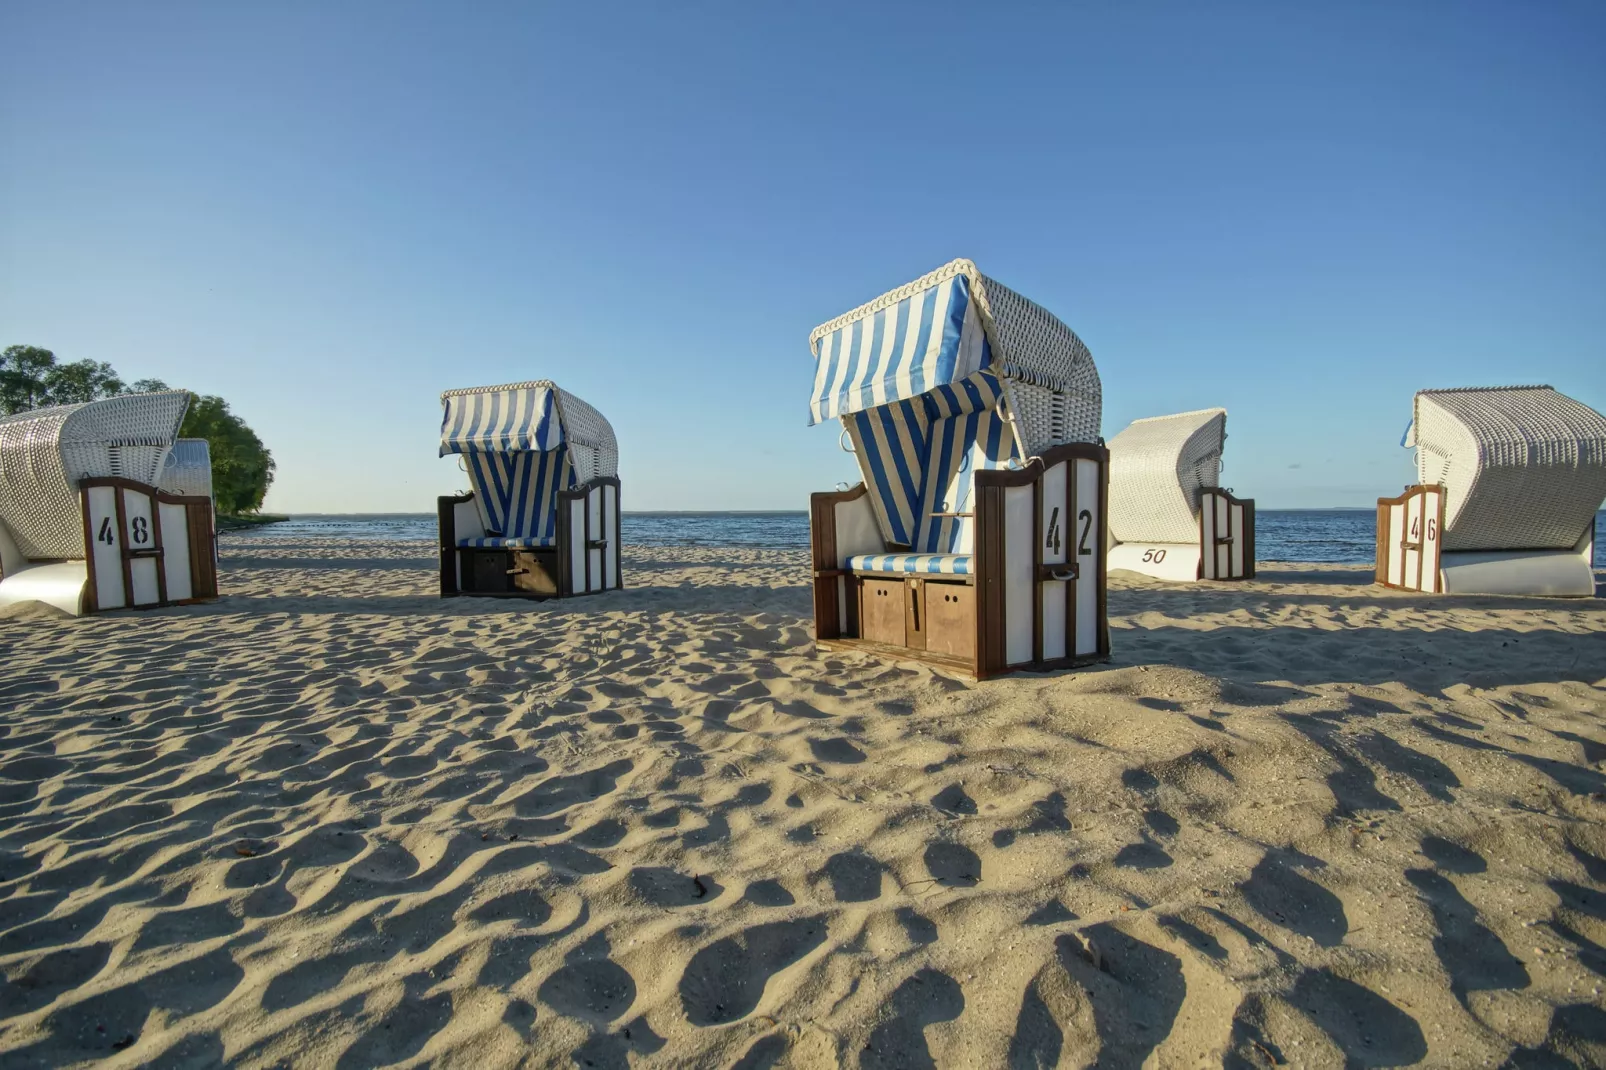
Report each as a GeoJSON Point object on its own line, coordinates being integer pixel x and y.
{"type": "Point", "coordinates": [242, 467]}
{"type": "Point", "coordinates": [30, 378]}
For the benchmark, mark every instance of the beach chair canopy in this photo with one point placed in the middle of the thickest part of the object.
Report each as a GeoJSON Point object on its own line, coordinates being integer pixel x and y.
{"type": "Point", "coordinates": [1158, 465]}
{"type": "Point", "coordinates": [521, 443]}
{"type": "Point", "coordinates": [934, 380]}
{"type": "Point", "coordinates": [44, 453]}
{"type": "Point", "coordinates": [1523, 467]}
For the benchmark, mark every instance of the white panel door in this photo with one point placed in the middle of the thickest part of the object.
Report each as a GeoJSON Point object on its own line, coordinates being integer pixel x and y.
{"type": "Point", "coordinates": [176, 551]}
{"type": "Point", "coordinates": [1089, 552]}
{"type": "Point", "coordinates": [143, 548]}
{"type": "Point", "coordinates": [1058, 518]}
{"type": "Point", "coordinates": [1019, 575]}
{"type": "Point", "coordinates": [106, 548]}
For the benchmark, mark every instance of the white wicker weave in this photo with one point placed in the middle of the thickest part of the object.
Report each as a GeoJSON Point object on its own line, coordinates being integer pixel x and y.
{"type": "Point", "coordinates": [1157, 467]}
{"type": "Point", "coordinates": [1052, 386]}
{"type": "Point", "coordinates": [1523, 467]}
{"type": "Point", "coordinates": [44, 453]}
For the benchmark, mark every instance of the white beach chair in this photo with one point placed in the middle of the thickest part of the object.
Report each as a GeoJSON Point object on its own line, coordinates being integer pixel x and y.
{"type": "Point", "coordinates": [1169, 517]}
{"type": "Point", "coordinates": [1509, 482]}
{"type": "Point", "coordinates": [976, 540]}
{"type": "Point", "coordinates": [86, 523]}
{"type": "Point", "coordinates": [543, 518]}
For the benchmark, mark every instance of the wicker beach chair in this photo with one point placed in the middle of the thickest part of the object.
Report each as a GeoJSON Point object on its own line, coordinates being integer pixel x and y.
{"type": "Point", "coordinates": [1509, 482]}
{"type": "Point", "coordinates": [976, 540]}
{"type": "Point", "coordinates": [86, 520]}
{"type": "Point", "coordinates": [542, 520]}
{"type": "Point", "coordinates": [1169, 516]}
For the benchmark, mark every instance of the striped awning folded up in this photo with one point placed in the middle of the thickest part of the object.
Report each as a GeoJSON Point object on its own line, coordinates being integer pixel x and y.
{"type": "Point", "coordinates": [511, 419]}
{"type": "Point", "coordinates": [931, 338]}
{"type": "Point", "coordinates": [919, 458]}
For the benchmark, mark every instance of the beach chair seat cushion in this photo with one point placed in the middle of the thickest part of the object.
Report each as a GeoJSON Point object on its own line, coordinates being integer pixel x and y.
{"type": "Point", "coordinates": [497, 542]}
{"type": "Point", "coordinates": [924, 564]}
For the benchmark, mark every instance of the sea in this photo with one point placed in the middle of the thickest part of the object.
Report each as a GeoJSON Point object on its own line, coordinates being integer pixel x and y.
{"type": "Point", "coordinates": [1327, 535]}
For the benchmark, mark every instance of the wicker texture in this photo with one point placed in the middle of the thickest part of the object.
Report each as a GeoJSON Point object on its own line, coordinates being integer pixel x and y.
{"type": "Point", "coordinates": [188, 469]}
{"type": "Point", "coordinates": [1158, 466]}
{"type": "Point", "coordinates": [1523, 467]}
{"type": "Point", "coordinates": [1029, 346]}
{"type": "Point", "coordinates": [593, 449]}
{"type": "Point", "coordinates": [44, 453]}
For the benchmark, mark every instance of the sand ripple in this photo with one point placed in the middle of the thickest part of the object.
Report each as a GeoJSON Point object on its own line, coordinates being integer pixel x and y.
{"type": "Point", "coordinates": [333, 820]}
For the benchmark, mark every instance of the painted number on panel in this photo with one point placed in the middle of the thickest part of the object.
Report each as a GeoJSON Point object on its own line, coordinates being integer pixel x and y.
{"type": "Point", "coordinates": [1156, 556]}
{"type": "Point", "coordinates": [1053, 540]}
{"type": "Point", "coordinates": [142, 531]}
{"type": "Point", "coordinates": [1087, 525]}
{"type": "Point", "coordinates": [105, 533]}
{"type": "Point", "coordinates": [1433, 528]}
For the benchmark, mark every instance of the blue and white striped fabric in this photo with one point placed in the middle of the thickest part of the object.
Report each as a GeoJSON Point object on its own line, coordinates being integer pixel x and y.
{"type": "Point", "coordinates": [522, 418]}
{"type": "Point", "coordinates": [926, 564]}
{"type": "Point", "coordinates": [517, 492]}
{"type": "Point", "coordinates": [930, 339]}
{"type": "Point", "coordinates": [491, 542]}
{"type": "Point", "coordinates": [918, 457]}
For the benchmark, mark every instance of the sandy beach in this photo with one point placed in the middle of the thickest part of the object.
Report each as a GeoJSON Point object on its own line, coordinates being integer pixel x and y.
{"type": "Point", "coordinates": [335, 821]}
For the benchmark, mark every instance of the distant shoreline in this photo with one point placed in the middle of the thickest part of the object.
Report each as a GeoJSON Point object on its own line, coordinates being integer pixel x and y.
{"type": "Point", "coordinates": [244, 523]}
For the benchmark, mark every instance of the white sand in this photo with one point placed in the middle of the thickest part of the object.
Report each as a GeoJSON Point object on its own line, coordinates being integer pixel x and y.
{"type": "Point", "coordinates": [333, 820]}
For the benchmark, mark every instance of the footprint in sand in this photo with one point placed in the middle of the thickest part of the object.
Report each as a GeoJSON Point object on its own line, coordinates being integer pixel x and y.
{"type": "Point", "coordinates": [928, 997]}
{"type": "Point", "coordinates": [663, 887]}
{"type": "Point", "coordinates": [953, 865]}
{"type": "Point", "coordinates": [590, 986]}
{"type": "Point", "coordinates": [854, 877]}
{"type": "Point", "coordinates": [725, 981]}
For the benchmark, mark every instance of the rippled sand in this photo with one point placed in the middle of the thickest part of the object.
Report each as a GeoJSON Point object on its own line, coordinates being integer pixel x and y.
{"type": "Point", "coordinates": [333, 820]}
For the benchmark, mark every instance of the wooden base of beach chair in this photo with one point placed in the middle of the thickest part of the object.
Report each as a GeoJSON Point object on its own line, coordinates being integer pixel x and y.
{"type": "Point", "coordinates": [584, 560]}
{"type": "Point", "coordinates": [146, 548]}
{"type": "Point", "coordinates": [1410, 531]}
{"type": "Point", "coordinates": [1034, 598]}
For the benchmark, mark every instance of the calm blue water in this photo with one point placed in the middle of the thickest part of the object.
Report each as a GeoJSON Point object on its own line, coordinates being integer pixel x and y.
{"type": "Point", "coordinates": [1342, 535]}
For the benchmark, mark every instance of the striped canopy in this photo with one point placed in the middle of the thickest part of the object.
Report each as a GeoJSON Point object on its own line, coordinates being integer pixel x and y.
{"type": "Point", "coordinates": [919, 458]}
{"type": "Point", "coordinates": [928, 339]}
{"type": "Point", "coordinates": [501, 419]}
{"type": "Point", "coordinates": [520, 444]}
{"type": "Point", "coordinates": [939, 330]}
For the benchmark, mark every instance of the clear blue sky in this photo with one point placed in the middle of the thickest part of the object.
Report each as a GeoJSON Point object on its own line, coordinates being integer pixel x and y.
{"type": "Point", "coordinates": [327, 213]}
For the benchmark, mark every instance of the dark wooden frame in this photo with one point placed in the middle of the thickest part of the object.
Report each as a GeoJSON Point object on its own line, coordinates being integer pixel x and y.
{"type": "Point", "coordinates": [453, 558]}
{"type": "Point", "coordinates": [1382, 566]}
{"type": "Point", "coordinates": [988, 659]}
{"type": "Point", "coordinates": [1249, 535]}
{"type": "Point", "coordinates": [201, 528]}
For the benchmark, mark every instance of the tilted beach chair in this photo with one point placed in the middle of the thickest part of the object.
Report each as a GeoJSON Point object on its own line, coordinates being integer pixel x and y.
{"type": "Point", "coordinates": [87, 522]}
{"type": "Point", "coordinates": [1509, 481]}
{"type": "Point", "coordinates": [543, 518]}
{"type": "Point", "coordinates": [976, 540]}
{"type": "Point", "coordinates": [1169, 517]}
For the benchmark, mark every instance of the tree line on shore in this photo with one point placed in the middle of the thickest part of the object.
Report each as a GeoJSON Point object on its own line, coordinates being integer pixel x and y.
{"type": "Point", "coordinates": [242, 467]}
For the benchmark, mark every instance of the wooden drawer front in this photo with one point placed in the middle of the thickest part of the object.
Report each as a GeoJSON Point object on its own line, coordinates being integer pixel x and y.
{"type": "Point", "coordinates": [950, 624]}
{"type": "Point", "coordinates": [881, 611]}
{"type": "Point", "coordinates": [535, 572]}
{"type": "Point", "coordinates": [488, 569]}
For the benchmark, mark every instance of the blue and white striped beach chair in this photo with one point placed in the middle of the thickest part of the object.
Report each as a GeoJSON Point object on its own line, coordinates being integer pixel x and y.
{"type": "Point", "coordinates": [977, 538]}
{"type": "Point", "coordinates": [542, 518]}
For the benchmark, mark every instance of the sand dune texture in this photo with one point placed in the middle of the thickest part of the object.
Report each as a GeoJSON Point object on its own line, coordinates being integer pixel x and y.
{"type": "Point", "coordinates": [335, 821]}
